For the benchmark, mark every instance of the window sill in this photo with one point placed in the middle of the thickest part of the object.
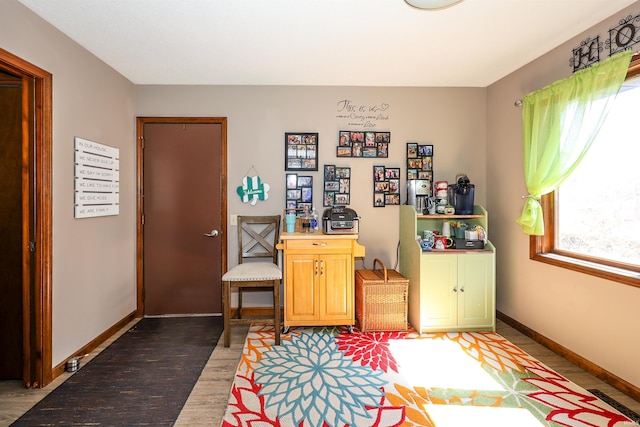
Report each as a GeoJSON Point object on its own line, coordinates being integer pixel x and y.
{"type": "Point", "coordinates": [621, 275]}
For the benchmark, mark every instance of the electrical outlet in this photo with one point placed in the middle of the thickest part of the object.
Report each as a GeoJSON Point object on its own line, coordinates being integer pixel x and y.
{"type": "Point", "coordinates": [233, 219]}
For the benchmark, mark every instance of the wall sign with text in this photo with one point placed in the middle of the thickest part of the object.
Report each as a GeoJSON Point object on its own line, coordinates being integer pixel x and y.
{"type": "Point", "coordinates": [97, 179]}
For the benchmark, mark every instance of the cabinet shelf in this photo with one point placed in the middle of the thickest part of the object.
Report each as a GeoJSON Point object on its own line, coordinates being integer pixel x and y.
{"type": "Point", "coordinates": [450, 289]}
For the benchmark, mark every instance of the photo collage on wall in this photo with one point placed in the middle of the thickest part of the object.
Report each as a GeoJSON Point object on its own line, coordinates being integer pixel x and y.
{"type": "Point", "coordinates": [363, 144]}
{"type": "Point", "coordinates": [337, 186]}
{"type": "Point", "coordinates": [301, 151]}
{"type": "Point", "coordinates": [420, 162]}
{"type": "Point", "coordinates": [299, 192]}
{"type": "Point", "coordinates": [386, 186]}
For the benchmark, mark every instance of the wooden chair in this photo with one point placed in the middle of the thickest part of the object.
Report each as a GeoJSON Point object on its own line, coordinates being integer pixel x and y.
{"type": "Point", "coordinates": [257, 269]}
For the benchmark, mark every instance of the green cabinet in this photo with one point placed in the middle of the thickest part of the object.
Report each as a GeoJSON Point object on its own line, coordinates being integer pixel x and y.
{"type": "Point", "coordinates": [452, 289]}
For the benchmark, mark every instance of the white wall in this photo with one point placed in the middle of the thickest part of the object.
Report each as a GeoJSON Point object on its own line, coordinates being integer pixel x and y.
{"type": "Point", "coordinates": [93, 258]}
{"type": "Point", "coordinates": [595, 318]}
{"type": "Point", "coordinates": [453, 120]}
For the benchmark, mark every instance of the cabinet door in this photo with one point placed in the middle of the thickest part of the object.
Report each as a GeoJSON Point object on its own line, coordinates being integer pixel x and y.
{"type": "Point", "coordinates": [475, 296]}
{"type": "Point", "coordinates": [301, 287]}
{"type": "Point", "coordinates": [438, 291]}
{"type": "Point", "coordinates": [336, 288]}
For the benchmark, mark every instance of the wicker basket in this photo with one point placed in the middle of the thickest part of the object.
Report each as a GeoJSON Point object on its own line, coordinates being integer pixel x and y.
{"type": "Point", "coordinates": [381, 299]}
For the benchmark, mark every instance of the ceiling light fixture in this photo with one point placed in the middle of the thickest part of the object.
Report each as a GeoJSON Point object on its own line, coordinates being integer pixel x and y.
{"type": "Point", "coordinates": [432, 4]}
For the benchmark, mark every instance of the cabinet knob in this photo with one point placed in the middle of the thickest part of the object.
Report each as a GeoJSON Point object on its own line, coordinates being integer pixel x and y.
{"type": "Point", "coordinates": [461, 289]}
{"type": "Point", "coordinates": [455, 289]}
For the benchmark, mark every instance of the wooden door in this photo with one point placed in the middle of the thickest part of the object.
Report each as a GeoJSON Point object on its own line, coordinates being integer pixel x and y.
{"type": "Point", "coordinates": [11, 283]}
{"type": "Point", "coordinates": [183, 200]}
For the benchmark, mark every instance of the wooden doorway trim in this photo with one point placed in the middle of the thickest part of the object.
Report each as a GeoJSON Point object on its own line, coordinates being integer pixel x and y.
{"type": "Point", "coordinates": [37, 220]}
{"type": "Point", "coordinates": [140, 122]}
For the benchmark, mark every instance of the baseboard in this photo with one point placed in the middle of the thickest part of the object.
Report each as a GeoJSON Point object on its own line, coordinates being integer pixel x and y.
{"type": "Point", "coordinates": [588, 366]}
{"type": "Point", "coordinates": [93, 344]}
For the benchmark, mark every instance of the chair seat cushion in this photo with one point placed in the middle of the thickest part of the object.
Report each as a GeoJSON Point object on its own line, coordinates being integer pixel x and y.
{"type": "Point", "coordinates": [253, 271]}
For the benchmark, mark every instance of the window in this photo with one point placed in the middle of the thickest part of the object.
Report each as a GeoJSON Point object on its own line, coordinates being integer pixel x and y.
{"type": "Point", "coordinates": [592, 221]}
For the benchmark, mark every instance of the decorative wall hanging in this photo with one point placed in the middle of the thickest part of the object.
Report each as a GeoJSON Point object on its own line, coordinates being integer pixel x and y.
{"type": "Point", "coordinates": [625, 35]}
{"type": "Point", "coordinates": [337, 186]}
{"type": "Point", "coordinates": [587, 54]}
{"type": "Point", "coordinates": [97, 179]}
{"type": "Point", "coordinates": [252, 190]}
{"type": "Point", "coordinates": [386, 186]}
{"type": "Point", "coordinates": [299, 192]}
{"type": "Point", "coordinates": [301, 151]}
{"type": "Point", "coordinates": [621, 37]}
{"type": "Point", "coordinates": [420, 162]}
{"type": "Point", "coordinates": [363, 144]}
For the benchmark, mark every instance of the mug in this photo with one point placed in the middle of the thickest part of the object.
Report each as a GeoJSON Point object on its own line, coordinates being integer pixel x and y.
{"type": "Point", "coordinates": [443, 242]}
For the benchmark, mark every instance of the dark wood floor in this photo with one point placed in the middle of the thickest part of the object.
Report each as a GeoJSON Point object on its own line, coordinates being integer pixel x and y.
{"type": "Point", "coordinates": [207, 402]}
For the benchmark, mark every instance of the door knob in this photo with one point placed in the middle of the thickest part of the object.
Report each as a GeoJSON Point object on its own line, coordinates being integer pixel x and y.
{"type": "Point", "coordinates": [213, 233]}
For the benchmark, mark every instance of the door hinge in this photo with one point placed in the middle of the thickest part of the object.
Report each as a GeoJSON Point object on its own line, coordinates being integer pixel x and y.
{"type": "Point", "coordinates": [142, 220]}
{"type": "Point", "coordinates": [32, 246]}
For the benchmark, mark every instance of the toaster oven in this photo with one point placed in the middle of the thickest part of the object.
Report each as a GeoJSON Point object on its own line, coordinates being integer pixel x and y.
{"type": "Point", "coordinates": [340, 220]}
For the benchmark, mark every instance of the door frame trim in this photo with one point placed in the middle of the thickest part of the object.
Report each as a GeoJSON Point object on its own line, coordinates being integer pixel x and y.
{"type": "Point", "coordinates": [140, 122]}
{"type": "Point", "coordinates": [37, 265]}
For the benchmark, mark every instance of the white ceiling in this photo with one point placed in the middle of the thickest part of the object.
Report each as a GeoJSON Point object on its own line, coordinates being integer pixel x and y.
{"type": "Point", "coordinates": [320, 42]}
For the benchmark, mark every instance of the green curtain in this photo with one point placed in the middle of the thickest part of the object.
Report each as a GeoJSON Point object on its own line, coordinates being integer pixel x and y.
{"type": "Point", "coordinates": [559, 124]}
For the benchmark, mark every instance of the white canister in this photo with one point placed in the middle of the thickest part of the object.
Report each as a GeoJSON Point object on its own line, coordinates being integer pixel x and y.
{"type": "Point", "coordinates": [446, 228]}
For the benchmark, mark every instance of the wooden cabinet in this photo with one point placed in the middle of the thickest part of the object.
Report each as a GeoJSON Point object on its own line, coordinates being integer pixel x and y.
{"type": "Point", "coordinates": [451, 289]}
{"type": "Point", "coordinates": [318, 278]}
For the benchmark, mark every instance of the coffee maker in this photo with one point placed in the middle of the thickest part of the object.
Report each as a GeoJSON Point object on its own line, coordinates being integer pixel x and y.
{"type": "Point", "coordinates": [418, 193]}
{"type": "Point", "coordinates": [461, 195]}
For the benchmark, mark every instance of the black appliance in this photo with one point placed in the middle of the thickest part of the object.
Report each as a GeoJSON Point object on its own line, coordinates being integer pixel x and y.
{"type": "Point", "coordinates": [340, 220]}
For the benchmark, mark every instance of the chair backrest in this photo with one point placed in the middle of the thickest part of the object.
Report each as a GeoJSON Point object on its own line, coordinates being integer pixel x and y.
{"type": "Point", "coordinates": [258, 237]}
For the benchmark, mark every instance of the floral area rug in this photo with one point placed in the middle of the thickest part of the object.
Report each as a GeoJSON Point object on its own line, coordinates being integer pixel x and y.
{"type": "Point", "coordinates": [329, 377]}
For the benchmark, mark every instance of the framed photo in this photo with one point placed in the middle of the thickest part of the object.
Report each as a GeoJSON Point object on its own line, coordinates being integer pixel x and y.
{"type": "Point", "coordinates": [292, 181]}
{"type": "Point", "coordinates": [363, 144]}
{"type": "Point", "coordinates": [337, 185]}
{"type": "Point", "coordinates": [305, 181]}
{"type": "Point", "coordinates": [383, 137]}
{"type": "Point", "coordinates": [343, 172]}
{"type": "Point", "coordinates": [301, 151]}
{"type": "Point", "coordinates": [331, 186]}
{"type": "Point", "coordinates": [419, 161]}
{"type": "Point", "coordinates": [329, 172]}
{"type": "Point", "coordinates": [356, 149]}
{"type": "Point", "coordinates": [425, 150]}
{"type": "Point", "coordinates": [294, 194]}
{"type": "Point", "coordinates": [344, 139]}
{"type": "Point", "coordinates": [378, 200]}
{"type": "Point", "coordinates": [369, 139]}
{"type": "Point", "coordinates": [391, 199]}
{"type": "Point", "coordinates": [341, 199]}
{"type": "Point", "coordinates": [329, 198]}
{"type": "Point", "coordinates": [378, 173]}
{"type": "Point", "coordinates": [383, 149]}
{"type": "Point", "coordinates": [390, 173]}
{"type": "Point", "coordinates": [343, 151]}
{"type": "Point", "coordinates": [369, 152]}
{"type": "Point", "coordinates": [306, 195]}
{"type": "Point", "coordinates": [299, 191]}
{"type": "Point", "coordinates": [412, 150]}
{"type": "Point", "coordinates": [394, 185]}
{"type": "Point", "coordinates": [428, 175]}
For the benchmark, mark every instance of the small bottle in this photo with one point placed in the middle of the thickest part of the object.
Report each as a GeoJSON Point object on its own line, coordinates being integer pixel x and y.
{"type": "Point", "coordinates": [315, 226]}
